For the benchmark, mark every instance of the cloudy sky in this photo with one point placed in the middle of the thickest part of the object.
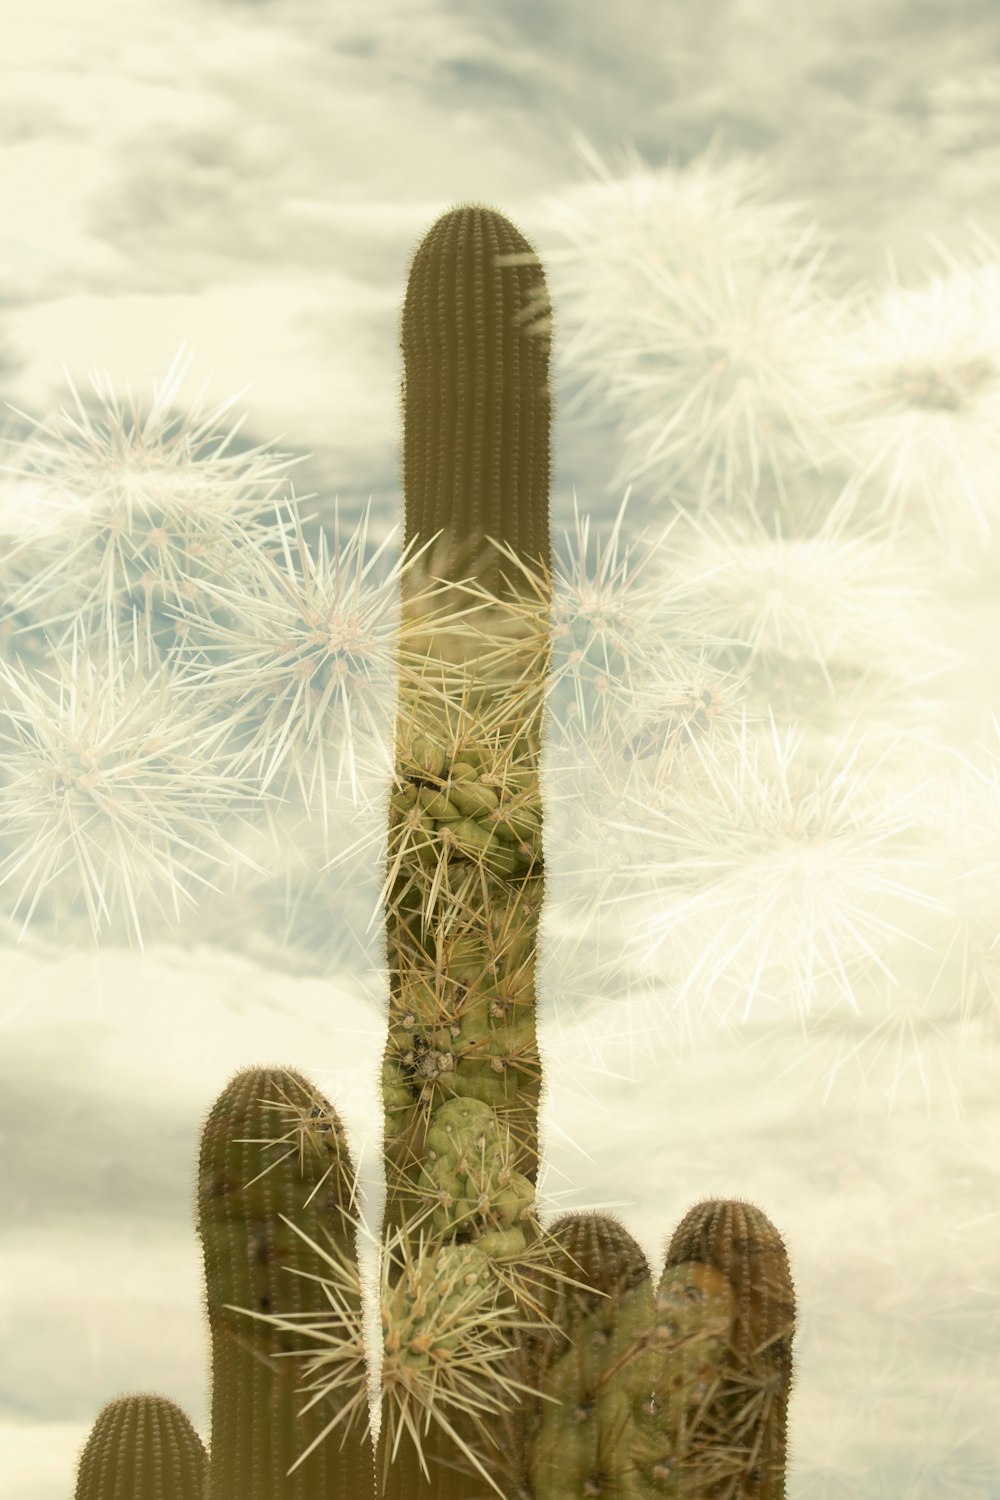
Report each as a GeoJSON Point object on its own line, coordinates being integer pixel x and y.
{"type": "Point", "coordinates": [249, 179]}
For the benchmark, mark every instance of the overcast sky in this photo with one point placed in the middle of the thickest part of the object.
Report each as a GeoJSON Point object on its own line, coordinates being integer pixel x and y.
{"type": "Point", "coordinates": [251, 178]}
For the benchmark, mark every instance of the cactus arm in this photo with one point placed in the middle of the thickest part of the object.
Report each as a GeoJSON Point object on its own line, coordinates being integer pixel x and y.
{"type": "Point", "coordinates": [724, 1258]}
{"type": "Point", "coordinates": [573, 1438]}
{"type": "Point", "coordinates": [142, 1447]}
{"type": "Point", "coordinates": [273, 1160]}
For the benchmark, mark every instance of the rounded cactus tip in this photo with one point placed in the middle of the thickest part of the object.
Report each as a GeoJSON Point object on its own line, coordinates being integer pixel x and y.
{"type": "Point", "coordinates": [736, 1238]}
{"type": "Point", "coordinates": [600, 1245]}
{"type": "Point", "coordinates": [264, 1072]}
{"type": "Point", "coordinates": [471, 207]}
{"type": "Point", "coordinates": [144, 1446]}
{"type": "Point", "coordinates": [274, 1084]}
{"type": "Point", "coordinates": [590, 1254]}
{"type": "Point", "coordinates": [719, 1226]}
{"type": "Point", "coordinates": [295, 1111]}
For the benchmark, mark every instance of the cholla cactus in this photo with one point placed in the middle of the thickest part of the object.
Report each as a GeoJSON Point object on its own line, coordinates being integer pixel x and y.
{"type": "Point", "coordinates": [517, 1360]}
{"type": "Point", "coordinates": [923, 368]}
{"type": "Point", "coordinates": [111, 784]}
{"type": "Point", "coordinates": [141, 723]}
{"type": "Point", "coordinates": [482, 1310]}
{"type": "Point", "coordinates": [150, 504]}
{"type": "Point", "coordinates": [462, 1074]}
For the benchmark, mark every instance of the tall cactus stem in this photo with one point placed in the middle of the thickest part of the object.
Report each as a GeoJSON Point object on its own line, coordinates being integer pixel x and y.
{"type": "Point", "coordinates": [464, 887]}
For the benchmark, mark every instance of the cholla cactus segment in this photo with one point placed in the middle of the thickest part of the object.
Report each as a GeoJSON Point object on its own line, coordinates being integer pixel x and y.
{"type": "Point", "coordinates": [449, 1326]}
{"type": "Point", "coordinates": [151, 506]}
{"type": "Point", "coordinates": [923, 363]}
{"type": "Point", "coordinates": [274, 1154]}
{"type": "Point", "coordinates": [462, 893]}
{"type": "Point", "coordinates": [463, 896]}
{"type": "Point", "coordinates": [114, 785]}
{"type": "Point", "coordinates": [718, 345]}
{"type": "Point", "coordinates": [726, 1313]}
{"type": "Point", "coordinates": [729, 394]}
{"type": "Point", "coordinates": [469, 1177]}
{"type": "Point", "coordinates": [707, 211]}
{"type": "Point", "coordinates": [142, 1447]}
{"type": "Point", "coordinates": [476, 402]}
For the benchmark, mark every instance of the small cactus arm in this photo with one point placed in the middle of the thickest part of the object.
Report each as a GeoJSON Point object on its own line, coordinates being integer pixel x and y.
{"type": "Point", "coordinates": [572, 1438]}
{"type": "Point", "coordinates": [275, 1182]}
{"type": "Point", "coordinates": [722, 1373]}
{"type": "Point", "coordinates": [682, 1395]}
{"type": "Point", "coordinates": [142, 1447]}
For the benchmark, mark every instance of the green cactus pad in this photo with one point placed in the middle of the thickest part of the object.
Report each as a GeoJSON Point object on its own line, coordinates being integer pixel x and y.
{"type": "Point", "coordinates": [142, 1447]}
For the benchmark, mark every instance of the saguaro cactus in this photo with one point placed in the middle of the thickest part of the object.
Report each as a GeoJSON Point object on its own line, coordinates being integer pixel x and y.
{"type": "Point", "coordinates": [534, 1365]}
{"type": "Point", "coordinates": [464, 886]}
{"type": "Point", "coordinates": [464, 883]}
{"type": "Point", "coordinates": [629, 1395]}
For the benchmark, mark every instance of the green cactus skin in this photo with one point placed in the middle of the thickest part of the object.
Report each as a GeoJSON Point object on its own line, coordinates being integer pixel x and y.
{"type": "Point", "coordinates": [726, 1269]}
{"type": "Point", "coordinates": [461, 1071]}
{"type": "Point", "coordinates": [142, 1447]}
{"type": "Point", "coordinates": [272, 1146]}
{"type": "Point", "coordinates": [476, 403]}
